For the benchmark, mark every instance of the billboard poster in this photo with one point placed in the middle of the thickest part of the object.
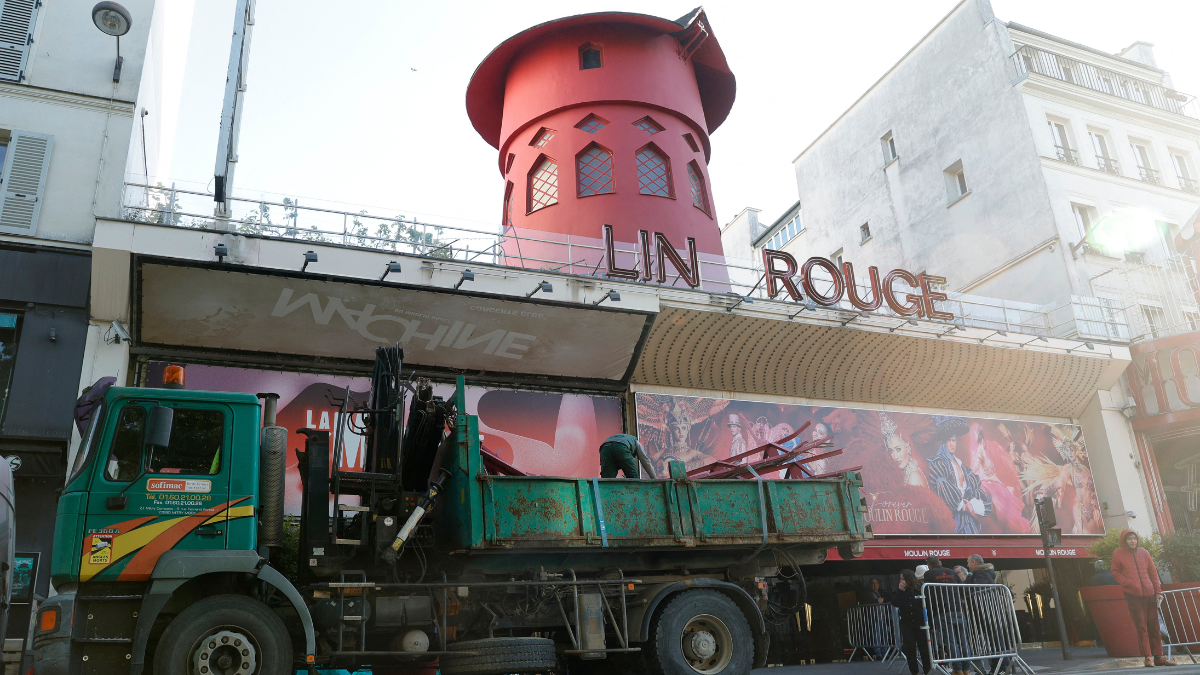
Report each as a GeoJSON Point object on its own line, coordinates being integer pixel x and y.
{"type": "Point", "coordinates": [538, 433]}
{"type": "Point", "coordinates": [922, 474]}
{"type": "Point", "coordinates": [245, 311]}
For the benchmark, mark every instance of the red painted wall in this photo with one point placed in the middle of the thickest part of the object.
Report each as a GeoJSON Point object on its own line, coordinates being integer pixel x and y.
{"type": "Point", "coordinates": [626, 209]}
{"type": "Point", "coordinates": [642, 75]}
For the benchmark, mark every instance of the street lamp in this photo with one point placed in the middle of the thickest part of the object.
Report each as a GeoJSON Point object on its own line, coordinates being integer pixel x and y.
{"type": "Point", "coordinates": [113, 19]}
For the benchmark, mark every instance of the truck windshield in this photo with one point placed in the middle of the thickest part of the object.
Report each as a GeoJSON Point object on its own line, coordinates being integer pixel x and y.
{"type": "Point", "coordinates": [88, 441]}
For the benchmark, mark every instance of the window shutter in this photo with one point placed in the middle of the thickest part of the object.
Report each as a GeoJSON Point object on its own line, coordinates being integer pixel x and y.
{"type": "Point", "coordinates": [16, 31]}
{"type": "Point", "coordinates": [23, 181]}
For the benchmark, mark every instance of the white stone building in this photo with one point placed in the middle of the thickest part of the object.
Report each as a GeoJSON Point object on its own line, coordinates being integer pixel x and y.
{"type": "Point", "coordinates": [70, 129]}
{"type": "Point", "coordinates": [1049, 182]}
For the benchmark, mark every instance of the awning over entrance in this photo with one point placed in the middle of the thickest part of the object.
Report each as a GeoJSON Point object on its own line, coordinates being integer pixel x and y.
{"type": "Point", "coordinates": [917, 549]}
{"type": "Point", "coordinates": [254, 311]}
{"type": "Point", "coordinates": [727, 351]}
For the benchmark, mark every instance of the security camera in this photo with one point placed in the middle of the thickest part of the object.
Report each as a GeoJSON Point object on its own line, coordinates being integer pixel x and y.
{"type": "Point", "coordinates": [121, 333]}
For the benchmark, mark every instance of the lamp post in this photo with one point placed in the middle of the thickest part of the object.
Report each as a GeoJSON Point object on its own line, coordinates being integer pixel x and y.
{"type": "Point", "coordinates": [1052, 536]}
{"type": "Point", "coordinates": [113, 19]}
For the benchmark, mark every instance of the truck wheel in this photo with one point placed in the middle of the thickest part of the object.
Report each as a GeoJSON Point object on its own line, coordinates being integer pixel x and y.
{"type": "Point", "coordinates": [701, 632]}
{"type": "Point", "coordinates": [501, 656]}
{"type": "Point", "coordinates": [225, 635]}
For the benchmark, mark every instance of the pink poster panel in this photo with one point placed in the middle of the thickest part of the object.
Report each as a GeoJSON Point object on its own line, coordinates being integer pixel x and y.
{"type": "Point", "coordinates": [538, 433]}
{"type": "Point", "coordinates": [922, 474]}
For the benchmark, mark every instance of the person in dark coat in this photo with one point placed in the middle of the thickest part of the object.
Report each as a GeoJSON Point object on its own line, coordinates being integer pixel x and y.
{"type": "Point", "coordinates": [912, 619]}
{"type": "Point", "coordinates": [1102, 577]}
{"type": "Point", "coordinates": [981, 572]}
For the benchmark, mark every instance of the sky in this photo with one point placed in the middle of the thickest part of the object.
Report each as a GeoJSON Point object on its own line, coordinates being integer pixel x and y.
{"type": "Point", "coordinates": [366, 107]}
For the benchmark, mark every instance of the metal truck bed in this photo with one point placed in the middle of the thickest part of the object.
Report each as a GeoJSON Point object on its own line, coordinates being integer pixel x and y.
{"type": "Point", "coordinates": [554, 513]}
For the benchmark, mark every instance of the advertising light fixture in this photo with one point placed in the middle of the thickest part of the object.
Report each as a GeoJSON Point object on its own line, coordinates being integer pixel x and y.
{"type": "Point", "coordinates": [392, 267]}
{"type": "Point", "coordinates": [467, 275]}
{"type": "Point", "coordinates": [611, 295]}
{"type": "Point", "coordinates": [221, 250]}
{"type": "Point", "coordinates": [309, 257]}
{"type": "Point", "coordinates": [543, 286]}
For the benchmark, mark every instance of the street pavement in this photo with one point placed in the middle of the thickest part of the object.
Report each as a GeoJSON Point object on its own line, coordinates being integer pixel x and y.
{"type": "Point", "coordinates": [1042, 661]}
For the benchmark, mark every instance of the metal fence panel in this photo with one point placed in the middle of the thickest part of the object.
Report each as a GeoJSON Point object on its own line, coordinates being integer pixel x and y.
{"type": "Point", "coordinates": [874, 628]}
{"type": "Point", "coordinates": [972, 627]}
{"type": "Point", "coordinates": [1180, 611]}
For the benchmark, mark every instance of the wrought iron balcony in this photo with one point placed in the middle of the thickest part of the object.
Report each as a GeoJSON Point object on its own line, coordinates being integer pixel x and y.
{"type": "Point", "coordinates": [1067, 154]}
{"type": "Point", "coordinates": [1028, 59]}
{"type": "Point", "coordinates": [1107, 165]}
{"type": "Point", "coordinates": [1189, 185]}
{"type": "Point", "coordinates": [1149, 175]}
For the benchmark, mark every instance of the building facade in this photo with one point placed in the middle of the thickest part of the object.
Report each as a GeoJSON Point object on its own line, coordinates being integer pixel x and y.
{"type": "Point", "coordinates": [559, 354]}
{"type": "Point", "coordinates": [70, 128]}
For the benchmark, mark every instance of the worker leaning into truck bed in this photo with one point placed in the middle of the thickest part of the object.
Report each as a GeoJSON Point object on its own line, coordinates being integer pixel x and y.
{"type": "Point", "coordinates": [623, 452]}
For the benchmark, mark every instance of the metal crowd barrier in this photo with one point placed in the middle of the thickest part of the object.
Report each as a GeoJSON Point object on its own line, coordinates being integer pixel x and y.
{"type": "Point", "coordinates": [972, 627]}
{"type": "Point", "coordinates": [874, 628]}
{"type": "Point", "coordinates": [1180, 611]}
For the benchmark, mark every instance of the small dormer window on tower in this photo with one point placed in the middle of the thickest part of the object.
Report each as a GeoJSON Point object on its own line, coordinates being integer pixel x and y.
{"type": "Point", "coordinates": [590, 56]}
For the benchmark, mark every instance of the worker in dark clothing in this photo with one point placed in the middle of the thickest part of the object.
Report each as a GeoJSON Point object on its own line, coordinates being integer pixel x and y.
{"type": "Point", "coordinates": [912, 618]}
{"type": "Point", "coordinates": [622, 452]}
{"type": "Point", "coordinates": [1102, 577]}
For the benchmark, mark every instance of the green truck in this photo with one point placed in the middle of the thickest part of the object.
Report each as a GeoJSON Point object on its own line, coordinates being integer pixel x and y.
{"type": "Point", "coordinates": [171, 549]}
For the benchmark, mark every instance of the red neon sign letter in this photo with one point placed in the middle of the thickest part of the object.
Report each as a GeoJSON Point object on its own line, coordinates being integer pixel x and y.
{"type": "Point", "coordinates": [806, 279]}
{"type": "Point", "coordinates": [889, 294]}
{"type": "Point", "coordinates": [610, 258]}
{"type": "Point", "coordinates": [852, 291]}
{"type": "Point", "coordinates": [775, 277]}
{"type": "Point", "coordinates": [690, 274]}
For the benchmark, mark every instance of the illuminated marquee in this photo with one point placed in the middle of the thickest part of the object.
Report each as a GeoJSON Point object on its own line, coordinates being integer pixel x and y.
{"type": "Point", "coordinates": [918, 305]}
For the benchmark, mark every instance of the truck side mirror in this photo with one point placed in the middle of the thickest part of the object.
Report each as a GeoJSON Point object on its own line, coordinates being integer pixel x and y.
{"type": "Point", "coordinates": [158, 427]}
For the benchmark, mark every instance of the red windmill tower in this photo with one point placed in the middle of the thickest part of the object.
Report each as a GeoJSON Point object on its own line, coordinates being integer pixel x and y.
{"type": "Point", "coordinates": [604, 120]}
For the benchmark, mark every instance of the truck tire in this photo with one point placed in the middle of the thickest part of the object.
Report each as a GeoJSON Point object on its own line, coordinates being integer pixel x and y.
{"type": "Point", "coordinates": [224, 633]}
{"type": "Point", "coordinates": [700, 632]}
{"type": "Point", "coordinates": [501, 656]}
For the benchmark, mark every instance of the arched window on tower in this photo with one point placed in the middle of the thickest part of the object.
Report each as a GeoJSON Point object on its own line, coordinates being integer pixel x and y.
{"type": "Point", "coordinates": [543, 184]}
{"type": "Point", "coordinates": [506, 220]}
{"type": "Point", "coordinates": [595, 171]}
{"type": "Point", "coordinates": [590, 56]}
{"type": "Point", "coordinates": [699, 192]}
{"type": "Point", "coordinates": [654, 172]}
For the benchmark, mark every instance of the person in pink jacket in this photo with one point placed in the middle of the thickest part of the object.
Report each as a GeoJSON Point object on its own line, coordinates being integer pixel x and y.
{"type": "Point", "coordinates": [1134, 570]}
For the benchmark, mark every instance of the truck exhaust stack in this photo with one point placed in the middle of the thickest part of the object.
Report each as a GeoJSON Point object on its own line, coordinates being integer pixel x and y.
{"type": "Point", "coordinates": [271, 476]}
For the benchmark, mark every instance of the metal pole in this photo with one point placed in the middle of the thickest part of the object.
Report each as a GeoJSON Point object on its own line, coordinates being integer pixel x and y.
{"type": "Point", "coordinates": [1062, 626]}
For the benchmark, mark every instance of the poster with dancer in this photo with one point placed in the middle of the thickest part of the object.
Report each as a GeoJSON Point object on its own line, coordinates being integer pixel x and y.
{"type": "Point", "coordinates": [922, 474]}
{"type": "Point", "coordinates": [540, 433]}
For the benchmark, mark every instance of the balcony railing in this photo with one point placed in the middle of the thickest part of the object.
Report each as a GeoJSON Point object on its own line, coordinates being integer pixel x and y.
{"type": "Point", "coordinates": [1189, 185]}
{"type": "Point", "coordinates": [1029, 59]}
{"type": "Point", "coordinates": [724, 278]}
{"type": "Point", "coordinates": [1148, 175]}
{"type": "Point", "coordinates": [1067, 154]}
{"type": "Point", "coordinates": [1107, 165]}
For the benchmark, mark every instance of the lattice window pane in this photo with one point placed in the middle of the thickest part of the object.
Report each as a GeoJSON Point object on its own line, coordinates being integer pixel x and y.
{"type": "Point", "coordinates": [648, 125]}
{"type": "Point", "coordinates": [696, 181]}
{"type": "Point", "coordinates": [654, 175]}
{"type": "Point", "coordinates": [543, 137]}
{"type": "Point", "coordinates": [543, 185]}
{"type": "Point", "coordinates": [595, 172]}
{"type": "Point", "coordinates": [591, 124]}
{"type": "Point", "coordinates": [508, 211]}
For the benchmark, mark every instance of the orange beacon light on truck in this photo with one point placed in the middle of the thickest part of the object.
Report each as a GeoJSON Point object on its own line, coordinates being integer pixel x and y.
{"type": "Point", "coordinates": [173, 377]}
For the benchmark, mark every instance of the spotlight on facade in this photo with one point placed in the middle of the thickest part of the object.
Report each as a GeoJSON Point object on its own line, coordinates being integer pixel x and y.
{"type": "Point", "coordinates": [309, 257]}
{"type": "Point", "coordinates": [392, 267]}
{"type": "Point", "coordinates": [912, 322]}
{"type": "Point", "coordinates": [113, 19]}
{"type": "Point", "coordinates": [543, 286]}
{"type": "Point", "coordinates": [611, 295]}
{"type": "Point", "coordinates": [1000, 332]}
{"type": "Point", "coordinates": [467, 275]}
{"type": "Point", "coordinates": [221, 250]}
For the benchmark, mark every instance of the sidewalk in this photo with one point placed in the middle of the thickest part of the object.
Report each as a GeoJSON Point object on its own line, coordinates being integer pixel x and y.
{"type": "Point", "coordinates": [1043, 662]}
